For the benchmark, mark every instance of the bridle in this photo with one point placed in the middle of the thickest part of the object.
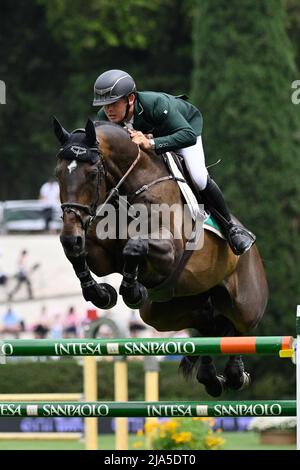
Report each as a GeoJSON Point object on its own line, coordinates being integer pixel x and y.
{"type": "Point", "coordinates": [83, 153]}
{"type": "Point", "coordinates": [93, 155]}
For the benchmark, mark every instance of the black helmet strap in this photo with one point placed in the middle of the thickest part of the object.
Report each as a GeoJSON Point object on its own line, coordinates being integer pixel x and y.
{"type": "Point", "coordinates": [127, 110]}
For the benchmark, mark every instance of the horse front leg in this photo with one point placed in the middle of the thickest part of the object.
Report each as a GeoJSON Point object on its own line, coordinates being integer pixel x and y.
{"type": "Point", "coordinates": [101, 295]}
{"type": "Point", "coordinates": [134, 293]}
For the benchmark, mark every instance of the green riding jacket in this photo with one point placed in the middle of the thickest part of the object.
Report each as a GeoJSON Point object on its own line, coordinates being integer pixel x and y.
{"type": "Point", "coordinates": [174, 122]}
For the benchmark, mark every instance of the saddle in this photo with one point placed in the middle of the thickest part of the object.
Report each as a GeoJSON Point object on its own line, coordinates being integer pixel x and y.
{"type": "Point", "coordinates": [180, 163]}
{"type": "Point", "coordinates": [210, 222]}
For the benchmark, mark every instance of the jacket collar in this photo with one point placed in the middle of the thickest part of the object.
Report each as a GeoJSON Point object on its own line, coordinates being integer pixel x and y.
{"type": "Point", "coordinates": [138, 108]}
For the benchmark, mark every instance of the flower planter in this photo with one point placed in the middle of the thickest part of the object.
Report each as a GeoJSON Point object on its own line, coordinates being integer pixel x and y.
{"type": "Point", "coordinates": [278, 436]}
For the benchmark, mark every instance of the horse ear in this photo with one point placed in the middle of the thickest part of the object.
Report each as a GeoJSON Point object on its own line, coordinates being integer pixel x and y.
{"type": "Point", "coordinates": [60, 132]}
{"type": "Point", "coordinates": [90, 133]}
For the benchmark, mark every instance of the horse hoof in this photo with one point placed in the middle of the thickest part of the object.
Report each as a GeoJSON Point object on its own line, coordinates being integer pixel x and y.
{"type": "Point", "coordinates": [113, 295]}
{"type": "Point", "coordinates": [216, 387]}
{"type": "Point", "coordinates": [246, 381]}
{"type": "Point", "coordinates": [243, 382]}
{"type": "Point", "coordinates": [102, 296]}
{"type": "Point", "coordinates": [133, 299]}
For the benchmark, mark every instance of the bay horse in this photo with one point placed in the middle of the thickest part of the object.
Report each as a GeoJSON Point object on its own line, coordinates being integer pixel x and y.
{"type": "Point", "coordinates": [214, 292]}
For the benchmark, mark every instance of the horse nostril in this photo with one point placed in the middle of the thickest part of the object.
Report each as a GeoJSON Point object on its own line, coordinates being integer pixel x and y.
{"type": "Point", "coordinates": [68, 241]}
{"type": "Point", "coordinates": [79, 241]}
{"type": "Point", "coordinates": [72, 244]}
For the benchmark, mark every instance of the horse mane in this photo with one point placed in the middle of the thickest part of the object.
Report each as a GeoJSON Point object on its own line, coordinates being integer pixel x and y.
{"type": "Point", "coordinates": [110, 124]}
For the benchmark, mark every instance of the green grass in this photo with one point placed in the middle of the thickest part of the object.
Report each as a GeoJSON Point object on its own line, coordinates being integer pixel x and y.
{"type": "Point", "coordinates": [234, 441]}
{"type": "Point", "coordinates": [250, 441]}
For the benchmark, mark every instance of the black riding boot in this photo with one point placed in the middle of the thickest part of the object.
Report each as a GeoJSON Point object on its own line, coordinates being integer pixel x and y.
{"type": "Point", "coordinates": [239, 239]}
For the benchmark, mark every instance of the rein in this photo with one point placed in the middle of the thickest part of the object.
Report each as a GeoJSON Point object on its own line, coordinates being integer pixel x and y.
{"type": "Point", "coordinates": [115, 191]}
{"type": "Point", "coordinates": [91, 211]}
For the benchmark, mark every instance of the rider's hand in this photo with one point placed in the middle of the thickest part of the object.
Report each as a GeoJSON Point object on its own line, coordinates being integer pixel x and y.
{"type": "Point", "coordinates": [140, 139]}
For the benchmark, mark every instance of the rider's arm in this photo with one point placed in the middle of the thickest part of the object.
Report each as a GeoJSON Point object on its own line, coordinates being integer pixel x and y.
{"type": "Point", "coordinates": [172, 128]}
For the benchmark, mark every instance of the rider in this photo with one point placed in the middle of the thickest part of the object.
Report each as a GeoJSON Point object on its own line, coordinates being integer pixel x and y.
{"type": "Point", "coordinates": [163, 122]}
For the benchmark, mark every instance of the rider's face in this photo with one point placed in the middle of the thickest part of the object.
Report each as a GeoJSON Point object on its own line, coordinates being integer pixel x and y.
{"type": "Point", "coordinates": [115, 112]}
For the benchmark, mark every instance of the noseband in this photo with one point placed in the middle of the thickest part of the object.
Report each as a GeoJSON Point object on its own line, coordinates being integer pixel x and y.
{"type": "Point", "coordinates": [75, 208]}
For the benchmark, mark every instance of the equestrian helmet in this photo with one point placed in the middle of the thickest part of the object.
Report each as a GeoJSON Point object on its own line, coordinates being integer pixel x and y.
{"type": "Point", "coordinates": [112, 85]}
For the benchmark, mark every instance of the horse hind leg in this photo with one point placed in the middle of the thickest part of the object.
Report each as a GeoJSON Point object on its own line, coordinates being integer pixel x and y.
{"type": "Point", "coordinates": [187, 365]}
{"type": "Point", "coordinates": [206, 372]}
{"type": "Point", "coordinates": [215, 384]}
{"type": "Point", "coordinates": [235, 375]}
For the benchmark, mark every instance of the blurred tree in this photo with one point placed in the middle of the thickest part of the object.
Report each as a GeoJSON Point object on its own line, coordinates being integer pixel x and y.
{"type": "Point", "coordinates": [293, 25]}
{"type": "Point", "coordinates": [244, 66]}
{"type": "Point", "coordinates": [27, 65]}
{"type": "Point", "coordinates": [101, 23]}
{"type": "Point", "coordinates": [50, 56]}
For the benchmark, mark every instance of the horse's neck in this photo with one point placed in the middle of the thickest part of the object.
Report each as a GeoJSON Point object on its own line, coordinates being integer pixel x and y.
{"type": "Point", "coordinates": [147, 168]}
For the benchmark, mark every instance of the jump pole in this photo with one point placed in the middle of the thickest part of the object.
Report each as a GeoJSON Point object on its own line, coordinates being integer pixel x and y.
{"type": "Point", "coordinates": [150, 409]}
{"type": "Point", "coordinates": [33, 436]}
{"type": "Point", "coordinates": [147, 346]}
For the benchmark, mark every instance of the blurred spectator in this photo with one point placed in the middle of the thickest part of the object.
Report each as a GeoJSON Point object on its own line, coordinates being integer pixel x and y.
{"type": "Point", "coordinates": [22, 275]}
{"type": "Point", "coordinates": [105, 331]}
{"type": "Point", "coordinates": [42, 326]}
{"type": "Point", "coordinates": [3, 277]}
{"type": "Point", "coordinates": [136, 326]}
{"type": "Point", "coordinates": [71, 324]}
{"type": "Point", "coordinates": [56, 329]}
{"type": "Point", "coordinates": [49, 195]}
{"type": "Point", "coordinates": [11, 323]}
{"type": "Point", "coordinates": [40, 332]}
{"type": "Point", "coordinates": [91, 313]}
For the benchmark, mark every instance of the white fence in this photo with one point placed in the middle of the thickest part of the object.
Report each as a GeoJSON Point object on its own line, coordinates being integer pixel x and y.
{"type": "Point", "coordinates": [26, 216]}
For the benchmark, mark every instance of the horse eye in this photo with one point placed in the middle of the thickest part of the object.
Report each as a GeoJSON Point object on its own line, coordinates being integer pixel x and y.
{"type": "Point", "coordinates": [93, 174]}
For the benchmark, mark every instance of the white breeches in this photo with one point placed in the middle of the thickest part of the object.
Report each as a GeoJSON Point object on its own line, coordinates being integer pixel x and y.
{"type": "Point", "coordinates": [195, 162]}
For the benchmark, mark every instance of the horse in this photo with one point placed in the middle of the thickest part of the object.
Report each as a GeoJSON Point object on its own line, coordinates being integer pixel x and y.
{"type": "Point", "coordinates": [212, 293]}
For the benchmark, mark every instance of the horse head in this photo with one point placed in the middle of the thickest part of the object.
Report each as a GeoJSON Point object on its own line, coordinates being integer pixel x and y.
{"type": "Point", "coordinates": [80, 173]}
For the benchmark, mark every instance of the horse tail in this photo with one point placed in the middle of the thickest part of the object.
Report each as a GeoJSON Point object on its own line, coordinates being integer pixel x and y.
{"type": "Point", "coordinates": [187, 366]}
